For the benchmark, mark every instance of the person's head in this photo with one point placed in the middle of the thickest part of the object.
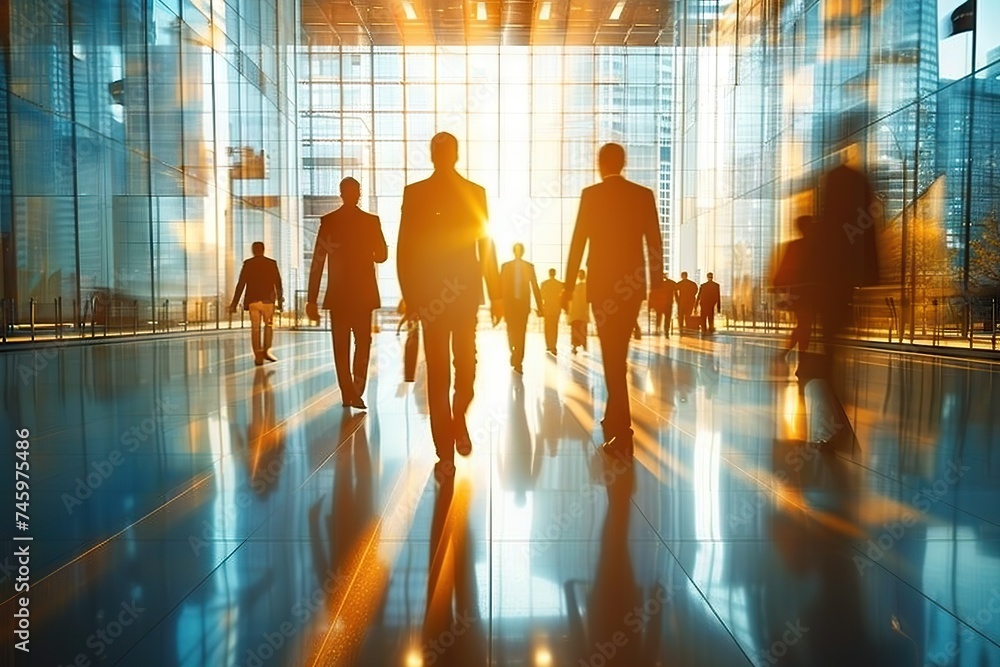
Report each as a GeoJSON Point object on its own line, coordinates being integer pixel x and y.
{"type": "Point", "coordinates": [552, 273]}
{"type": "Point", "coordinates": [803, 223]}
{"type": "Point", "coordinates": [350, 191]}
{"type": "Point", "coordinates": [684, 275]}
{"type": "Point", "coordinates": [444, 150]}
{"type": "Point", "coordinates": [518, 250]}
{"type": "Point", "coordinates": [611, 160]}
{"type": "Point", "coordinates": [710, 277]}
{"type": "Point", "coordinates": [581, 275]}
{"type": "Point", "coordinates": [257, 248]}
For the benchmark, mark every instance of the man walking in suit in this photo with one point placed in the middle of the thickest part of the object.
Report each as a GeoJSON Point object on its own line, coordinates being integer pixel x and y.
{"type": "Point", "coordinates": [517, 284]}
{"type": "Point", "coordinates": [551, 306]}
{"type": "Point", "coordinates": [350, 242]}
{"type": "Point", "coordinates": [664, 317]}
{"type": "Point", "coordinates": [615, 217]}
{"type": "Point", "coordinates": [262, 281]}
{"type": "Point", "coordinates": [709, 301]}
{"type": "Point", "coordinates": [687, 295]}
{"type": "Point", "coordinates": [444, 255]}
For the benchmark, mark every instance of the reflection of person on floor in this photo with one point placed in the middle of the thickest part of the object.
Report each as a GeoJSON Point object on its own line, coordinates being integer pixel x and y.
{"type": "Point", "coordinates": [550, 419]}
{"type": "Point", "coordinates": [521, 459]}
{"type": "Point", "coordinates": [709, 301]}
{"type": "Point", "coordinates": [265, 437]}
{"type": "Point", "coordinates": [551, 307]}
{"type": "Point", "coordinates": [453, 632]}
{"type": "Point", "coordinates": [444, 255]}
{"type": "Point", "coordinates": [262, 281]}
{"type": "Point", "coordinates": [517, 284]}
{"type": "Point", "coordinates": [579, 313]}
{"type": "Point", "coordinates": [350, 242]}
{"type": "Point", "coordinates": [615, 218]}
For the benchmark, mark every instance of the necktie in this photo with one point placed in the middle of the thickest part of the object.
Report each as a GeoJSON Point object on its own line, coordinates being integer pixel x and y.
{"type": "Point", "coordinates": [518, 280]}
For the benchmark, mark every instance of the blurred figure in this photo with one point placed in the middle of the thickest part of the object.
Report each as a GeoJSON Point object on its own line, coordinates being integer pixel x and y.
{"type": "Point", "coordinates": [579, 313]}
{"type": "Point", "coordinates": [444, 255]}
{"type": "Point", "coordinates": [665, 310]}
{"type": "Point", "coordinates": [521, 459]}
{"type": "Point", "coordinates": [412, 343]}
{"type": "Point", "coordinates": [517, 284]}
{"type": "Point", "coordinates": [843, 256]}
{"type": "Point", "coordinates": [793, 281]}
{"type": "Point", "coordinates": [687, 294]}
{"type": "Point", "coordinates": [353, 243]}
{"type": "Point", "coordinates": [551, 307]}
{"type": "Point", "coordinates": [262, 281]}
{"type": "Point", "coordinates": [615, 217]}
{"type": "Point", "coordinates": [709, 302]}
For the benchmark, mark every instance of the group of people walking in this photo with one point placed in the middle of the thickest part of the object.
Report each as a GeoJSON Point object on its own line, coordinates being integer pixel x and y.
{"type": "Point", "coordinates": [447, 268]}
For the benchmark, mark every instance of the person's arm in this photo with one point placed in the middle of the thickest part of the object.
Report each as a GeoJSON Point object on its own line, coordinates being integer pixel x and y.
{"type": "Point", "coordinates": [718, 299]}
{"type": "Point", "coordinates": [381, 252]}
{"type": "Point", "coordinates": [654, 244]}
{"type": "Point", "coordinates": [405, 250]}
{"type": "Point", "coordinates": [278, 291]}
{"type": "Point", "coordinates": [488, 258]}
{"type": "Point", "coordinates": [581, 233]}
{"type": "Point", "coordinates": [535, 290]}
{"type": "Point", "coordinates": [240, 285]}
{"type": "Point", "coordinates": [316, 266]}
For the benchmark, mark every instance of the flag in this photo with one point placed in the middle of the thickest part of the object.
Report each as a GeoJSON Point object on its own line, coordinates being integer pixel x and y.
{"type": "Point", "coordinates": [963, 19]}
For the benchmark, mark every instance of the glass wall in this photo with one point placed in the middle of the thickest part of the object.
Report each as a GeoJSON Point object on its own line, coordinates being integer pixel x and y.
{"type": "Point", "coordinates": [145, 145]}
{"type": "Point", "coordinates": [529, 122]}
{"type": "Point", "coordinates": [772, 95]}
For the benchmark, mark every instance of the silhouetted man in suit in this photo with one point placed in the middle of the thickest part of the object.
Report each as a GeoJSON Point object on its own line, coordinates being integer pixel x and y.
{"type": "Point", "coordinates": [444, 254]}
{"type": "Point", "coordinates": [687, 294]}
{"type": "Point", "coordinates": [262, 281]}
{"type": "Point", "coordinates": [517, 284]}
{"type": "Point", "coordinates": [551, 305]}
{"type": "Point", "coordinates": [614, 217]}
{"type": "Point", "coordinates": [663, 317]}
{"type": "Point", "coordinates": [350, 242]}
{"type": "Point", "coordinates": [709, 301]}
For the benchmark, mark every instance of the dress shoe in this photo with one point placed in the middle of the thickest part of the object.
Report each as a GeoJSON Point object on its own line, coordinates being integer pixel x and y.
{"type": "Point", "coordinates": [519, 370]}
{"type": "Point", "coordinates": [463, 443]}
{"type": "Point", "coordinates": [359, 404]}
{"type": "Point", "coordinates": [269, 356]}
{"type": "Point", "coordinates": [258, 360]}
{"type": "Point", "coordinates": [619, 446]}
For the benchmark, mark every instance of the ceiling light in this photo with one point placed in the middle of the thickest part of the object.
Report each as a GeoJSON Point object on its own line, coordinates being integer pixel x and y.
{"type": "Point", "coordinates": [480, 11]}
{"type": "Point", "coordinates": [411, 15]}
{"type": "Point", "coordinates": [616, 13]}
{"type": "Point", "coordinates": [545, 12]}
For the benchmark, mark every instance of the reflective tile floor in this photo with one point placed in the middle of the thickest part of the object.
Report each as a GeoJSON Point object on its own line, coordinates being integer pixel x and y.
{"type": "Point", "coordinates": [187, 508]}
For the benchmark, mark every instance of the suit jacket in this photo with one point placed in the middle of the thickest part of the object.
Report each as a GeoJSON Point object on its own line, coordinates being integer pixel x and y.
{"type": "Point", "coordinates": [615, 216]}
{"type": "Point", "coordinates": [709, 297]}
{"type": "Point", "coordinates": [350, 242]}
{"type": "Point", "coordinates": [512, 305]}
{"type": "Point", "coordinates": [687, 292]}
{"type": "Point", "coordinates": [444, 245]}
{"type": "Point", "coordinates": [262, 280]}
{"type": "Point", "coordinates": [551, 295]}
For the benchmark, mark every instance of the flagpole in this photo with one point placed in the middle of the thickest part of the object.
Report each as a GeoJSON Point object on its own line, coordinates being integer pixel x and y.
{"type": "Point", "coordinates": [968, 173]}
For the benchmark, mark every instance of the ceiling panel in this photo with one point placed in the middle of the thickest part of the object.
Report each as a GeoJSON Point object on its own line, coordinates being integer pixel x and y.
{"type": "Point", "coordinates": [486, 23]}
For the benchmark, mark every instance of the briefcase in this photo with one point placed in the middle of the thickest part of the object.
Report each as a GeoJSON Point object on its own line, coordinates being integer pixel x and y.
{"type": "Point", "coordinates": [695, 322]}
{"type": "Point", "coordinates": [411, 348]}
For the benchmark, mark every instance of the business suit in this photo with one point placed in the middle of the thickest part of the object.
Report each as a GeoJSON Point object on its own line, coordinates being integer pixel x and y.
{"type": "Point", "coordinates": [615, 217]}
{"type": "Point", "coordinates": [709, 301]}
{"type": "Point", "coordinates": [349, 242]}
{"type": "Point", "coordinates": [444, 254]}
{"type": "Point", "coordinates": [687, 295]}
{"type": "Point", "coordinates": [517, 283]}
{"type": "Point", "coordinates": [261, 279]}
{"type": "Point", "coordinates": [551, 293]}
